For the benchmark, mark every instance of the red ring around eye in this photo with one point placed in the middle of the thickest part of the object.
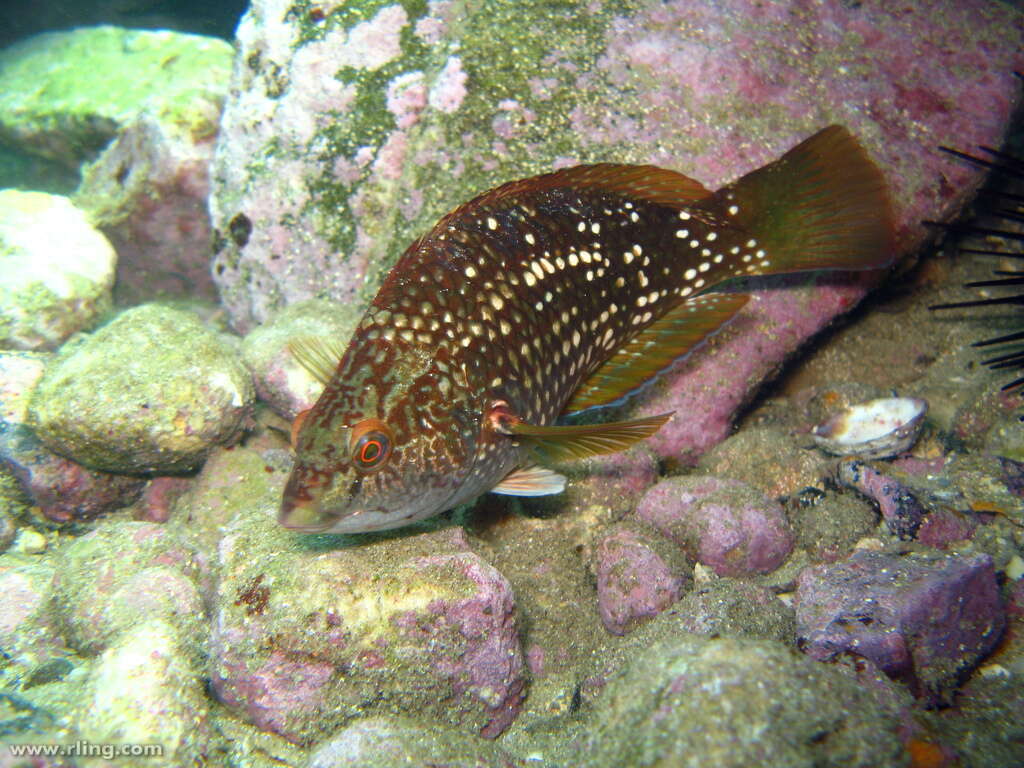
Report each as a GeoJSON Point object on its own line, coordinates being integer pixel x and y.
{"type": "Point", "coordinates": [370, 443]}
{"type": "Point", "coordinates": [370, 451]}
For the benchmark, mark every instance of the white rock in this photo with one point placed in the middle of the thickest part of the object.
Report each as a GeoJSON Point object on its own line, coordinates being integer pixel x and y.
{"type": "Point", "coordinates": [56, 271]}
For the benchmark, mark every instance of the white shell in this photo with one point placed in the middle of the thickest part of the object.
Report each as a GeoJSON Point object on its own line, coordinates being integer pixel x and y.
{"type": "Point", "coordinates": [877, 429]}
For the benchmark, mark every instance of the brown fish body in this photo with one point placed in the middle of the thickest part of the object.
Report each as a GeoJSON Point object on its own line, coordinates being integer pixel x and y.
{"type": "Point", "coordinates": [548, 296]}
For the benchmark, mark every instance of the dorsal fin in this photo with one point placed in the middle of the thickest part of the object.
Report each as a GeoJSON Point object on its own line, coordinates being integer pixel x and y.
{"type": "Point", "coordinates": [654, 349]}
{"type": "Point", "coordinates": [637, 183]}
{"type": "Point", "coordinates": [319, 356]}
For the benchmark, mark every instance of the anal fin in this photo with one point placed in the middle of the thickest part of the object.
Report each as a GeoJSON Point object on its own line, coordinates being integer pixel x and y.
{"type": "Point", "coordinates": [668, 339]}
{"type": "Point", "coordinates": [530, 481]}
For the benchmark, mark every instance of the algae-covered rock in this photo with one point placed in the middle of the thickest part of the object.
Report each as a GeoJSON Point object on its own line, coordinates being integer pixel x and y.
{"type": "Point", "coordinates": [351, 128]}
{"type": "Point", "coordinates": [152, 391]}
{"type": "Point", "coordinates": [280, 380]}
{"type": "Point", "coordinates": [63, 490]}
{"type": "Point", "coordinates": [689, 702]}
{"type": "Point", "coordinates": [146, 690]}
{"type": "Point", "coordinates": [384, 742]}
{"type": "Point", "coordinates": [124, 573]}
{"type": "Point", "coordinates": [147, 193]}
{"type": "Point", "coordinates": [306, 638]}
{"type": "Point", "coordinates": [66, 94]}
{"type": "Point", "coordinates": [733, 608]}
{"type": "Point", "coordinates": [56, 271]}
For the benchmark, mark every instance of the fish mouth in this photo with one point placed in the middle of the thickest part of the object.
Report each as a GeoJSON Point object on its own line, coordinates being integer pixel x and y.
{"type": "Point", "coordinates": [303, 516]}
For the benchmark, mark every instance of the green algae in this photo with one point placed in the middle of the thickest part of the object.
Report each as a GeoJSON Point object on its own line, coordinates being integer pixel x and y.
{"type": "Point", "coordinates": [79, 107]}
{"type": "Point", "coordinates": [157, 378]}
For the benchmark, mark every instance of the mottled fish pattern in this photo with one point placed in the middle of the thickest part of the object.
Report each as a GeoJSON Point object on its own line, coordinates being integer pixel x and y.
{"type": "Point", "coordinates": [545, 297]}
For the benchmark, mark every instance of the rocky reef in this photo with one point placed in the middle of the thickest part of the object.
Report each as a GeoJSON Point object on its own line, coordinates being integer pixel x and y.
{"type": "Point", "coordinates": [724, 594]}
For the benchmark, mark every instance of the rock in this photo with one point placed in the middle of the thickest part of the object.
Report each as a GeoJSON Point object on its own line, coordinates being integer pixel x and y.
{"type": "Point", "coordinates": [415, 625]}
{"type": "Point", "coordinates": [56, 271]}
{"type": "Point", "coordinates": [638, 576]}
{"type": "Point", "coordinates": [147, 193]}
{"type": "Point", "coordinates": [21, 21]}
{"type": "Point", "coordinates": [942, 527]}
{"type": "Point", "coordinates": [691, 701]}
{"type": "Point", "coordinates": [76, 110]}
{"type": "Point", "coordinates": [926, 616]}
{"type": "Point", "coordinates": [25, 620]}
{"type": "Point", "coordinates": [280, 380]}
{"type": "Point", "coordinates": [232, 483]}
{"type": "Point", "coordinates": [159, 498]}
{"type": "Point", "coordinates": [902, 512]}
{"type": "Point", "coordinates": [386, 741]}
{"type": "Point", "coordinates": [723, 524]}
{"type": "Point", "coordinates": [613, 481]}
{"type": "Point", "coordinates": [146, 690]}
{"type": "Point", "coordinates": [829, 524]}
{"type": "Point", "coordinates": [769, 458]}
{"type": "Point", "coordinates": [63, 490]}
{"type": "Point", "coordinates": [732, 608]}
{"type": "Point", "coordinates": [121, 574]}
{"type": "Point", "coordinates": [148, 105]}
{"type": "Point", "coordinates": [152, 391]}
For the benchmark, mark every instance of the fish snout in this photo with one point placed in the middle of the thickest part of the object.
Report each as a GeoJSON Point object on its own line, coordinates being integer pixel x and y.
{"type": "Point", "coordinates": [300, 515]}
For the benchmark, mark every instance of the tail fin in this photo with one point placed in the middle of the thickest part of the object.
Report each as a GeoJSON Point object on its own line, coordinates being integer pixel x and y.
{"type": "Point", "coordinates": [822, 205]}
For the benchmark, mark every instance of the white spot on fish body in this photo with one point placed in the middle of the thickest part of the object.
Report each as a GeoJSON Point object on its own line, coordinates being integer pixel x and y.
{"type": "Point", "coordinates": [492, 223]}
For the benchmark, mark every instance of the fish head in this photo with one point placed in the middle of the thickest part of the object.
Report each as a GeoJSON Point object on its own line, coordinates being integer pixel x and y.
{"type": "Point", "coordinates": [377, 453]}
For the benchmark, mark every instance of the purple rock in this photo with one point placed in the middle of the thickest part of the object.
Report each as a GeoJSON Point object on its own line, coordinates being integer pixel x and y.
{"type": "Point", "coordinates": [900, 509]}
{"type": "Point", "coordinates": [635, 581]}
{"type": "Point", "coordinates": [927, 617]}
{"type": "Point", "coordinates": [941, 527]}
{"type": "Point", "coordinates": [723, 524]}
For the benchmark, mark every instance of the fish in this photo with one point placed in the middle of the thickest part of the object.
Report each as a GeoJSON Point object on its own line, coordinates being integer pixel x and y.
{"type": "Point", "coordinates": [544, 298]}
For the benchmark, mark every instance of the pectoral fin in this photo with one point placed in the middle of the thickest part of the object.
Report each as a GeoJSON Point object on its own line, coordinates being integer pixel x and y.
{"type": "Point", "coordinates": [556, 443]}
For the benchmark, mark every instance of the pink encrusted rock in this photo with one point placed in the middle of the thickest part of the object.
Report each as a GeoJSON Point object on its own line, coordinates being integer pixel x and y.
{"type": "Point", "coordinates": [928, 617]}
{"type": "Point", "coordinates": [307, 639]}
{"type": "Point", "coordinates": [147, 193]}
{"type": "Point", "coordinates": [159, 497]}
{"type": "Point", "coordinates": [724, 524]}
{"type": "Point", "coordinates": [637, 577]}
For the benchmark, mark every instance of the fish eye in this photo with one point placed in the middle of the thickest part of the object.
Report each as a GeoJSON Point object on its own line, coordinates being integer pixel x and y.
{"type": "Point", "coordinates": [370, 444]}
